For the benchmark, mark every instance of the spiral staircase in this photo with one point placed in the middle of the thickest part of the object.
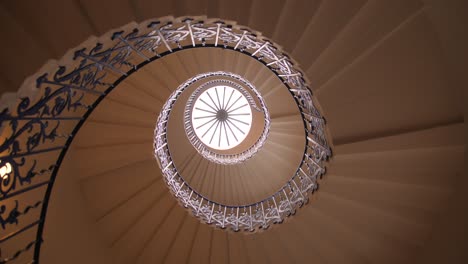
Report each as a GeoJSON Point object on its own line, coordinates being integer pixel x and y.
{"type": "Point", "coordinates": [386, 75]}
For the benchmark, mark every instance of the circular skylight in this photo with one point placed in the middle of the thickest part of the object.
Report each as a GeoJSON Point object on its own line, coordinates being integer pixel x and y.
{"type": "Point", "coordinates": [225, 118]}
{"type": "Point", "coordinates": [221, 117]}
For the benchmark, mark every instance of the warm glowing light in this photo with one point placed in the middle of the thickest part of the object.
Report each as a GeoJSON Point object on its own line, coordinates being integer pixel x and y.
{"type": "Point", "coordinates": [5, 170]}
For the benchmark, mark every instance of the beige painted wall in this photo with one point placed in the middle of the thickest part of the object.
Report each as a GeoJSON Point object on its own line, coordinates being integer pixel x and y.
{"type": "Point", "coordinates": [449, 240]}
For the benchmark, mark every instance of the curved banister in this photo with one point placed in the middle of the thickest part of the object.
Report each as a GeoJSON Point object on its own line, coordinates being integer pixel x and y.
{"type": "Point", "coordinates": [66, 92]}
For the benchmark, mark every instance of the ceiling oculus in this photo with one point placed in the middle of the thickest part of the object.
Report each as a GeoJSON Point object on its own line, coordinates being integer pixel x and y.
{"type": "Point", "coordinates": [226, 119]}
{"type": "Point", "coordinates": [221, 117]}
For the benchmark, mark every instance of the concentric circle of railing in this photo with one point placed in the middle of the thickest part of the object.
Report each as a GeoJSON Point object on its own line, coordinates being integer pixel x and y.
{"type": "Point", "coordinates": [295, 192]}
{"type": "Point", "coordinates": [206, 152]}
{"type": "Point", "coordinates": [54, 104]}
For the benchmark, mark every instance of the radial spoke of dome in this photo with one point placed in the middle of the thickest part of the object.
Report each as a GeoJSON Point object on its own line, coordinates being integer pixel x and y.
{"type": "Point", "coordinates": [206, 122]}
{"type": "Point", "coordinates": [204, 110]}
{"type": "Point", "coordinates": [224, 96]}
{"type": "Point", "coordinates": [227, 110]}
{"type": "Point", "coordinates": [210, 128]}
{"type": "Point", "coordinates": [236, 126]}
{"type": "Point", "coordinates": [220, 133]}
{"type": "Point", "coordinates": [214, 132]}
{"type": "Point", "coordinates": [202, 117]}
{"type": "Point", "coordinates": [229, 99]}
{"type": "Point", "coordinates": [239, 114]}
{"type": "Point", "coordinates": [225, 131]}
{"type": "Point", "coordinates": [217, 97]}
{"type": "Point", "coordinates": [217, 108]}
{"type": "Point", "coordinates": [234, 134]}
{"type": "Point", "coordinates": [208, 105]}
{"type": "Point", "coordinates": [237, 108]}
{"type": "Point", "coordinates": [235, 119]}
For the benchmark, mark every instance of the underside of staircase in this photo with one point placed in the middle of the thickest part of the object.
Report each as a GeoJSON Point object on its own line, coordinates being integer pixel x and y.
{"type": "Point", "coordinates": [388, 76]}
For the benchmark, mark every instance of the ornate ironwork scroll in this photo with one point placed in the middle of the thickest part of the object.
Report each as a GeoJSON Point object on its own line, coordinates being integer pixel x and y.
{"type": "Point", "coordinates": [296, 191]}
{"type": "Point", "coordinates": [45, 122]}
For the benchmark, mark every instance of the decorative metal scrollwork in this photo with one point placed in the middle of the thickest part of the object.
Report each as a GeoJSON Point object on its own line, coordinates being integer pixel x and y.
{"type": "Point", "coordinates": [295, 192]}
{"type": "Point", "coordinates": [199, 146]}
{"type": "Point", "coordinates": [13, 213]}
{"type": "Point", "coordinates": [50, 111]}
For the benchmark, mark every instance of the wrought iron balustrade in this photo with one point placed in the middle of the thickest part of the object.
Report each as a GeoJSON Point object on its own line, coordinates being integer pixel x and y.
{"type": "Point", "coordinates": [38, 130]}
